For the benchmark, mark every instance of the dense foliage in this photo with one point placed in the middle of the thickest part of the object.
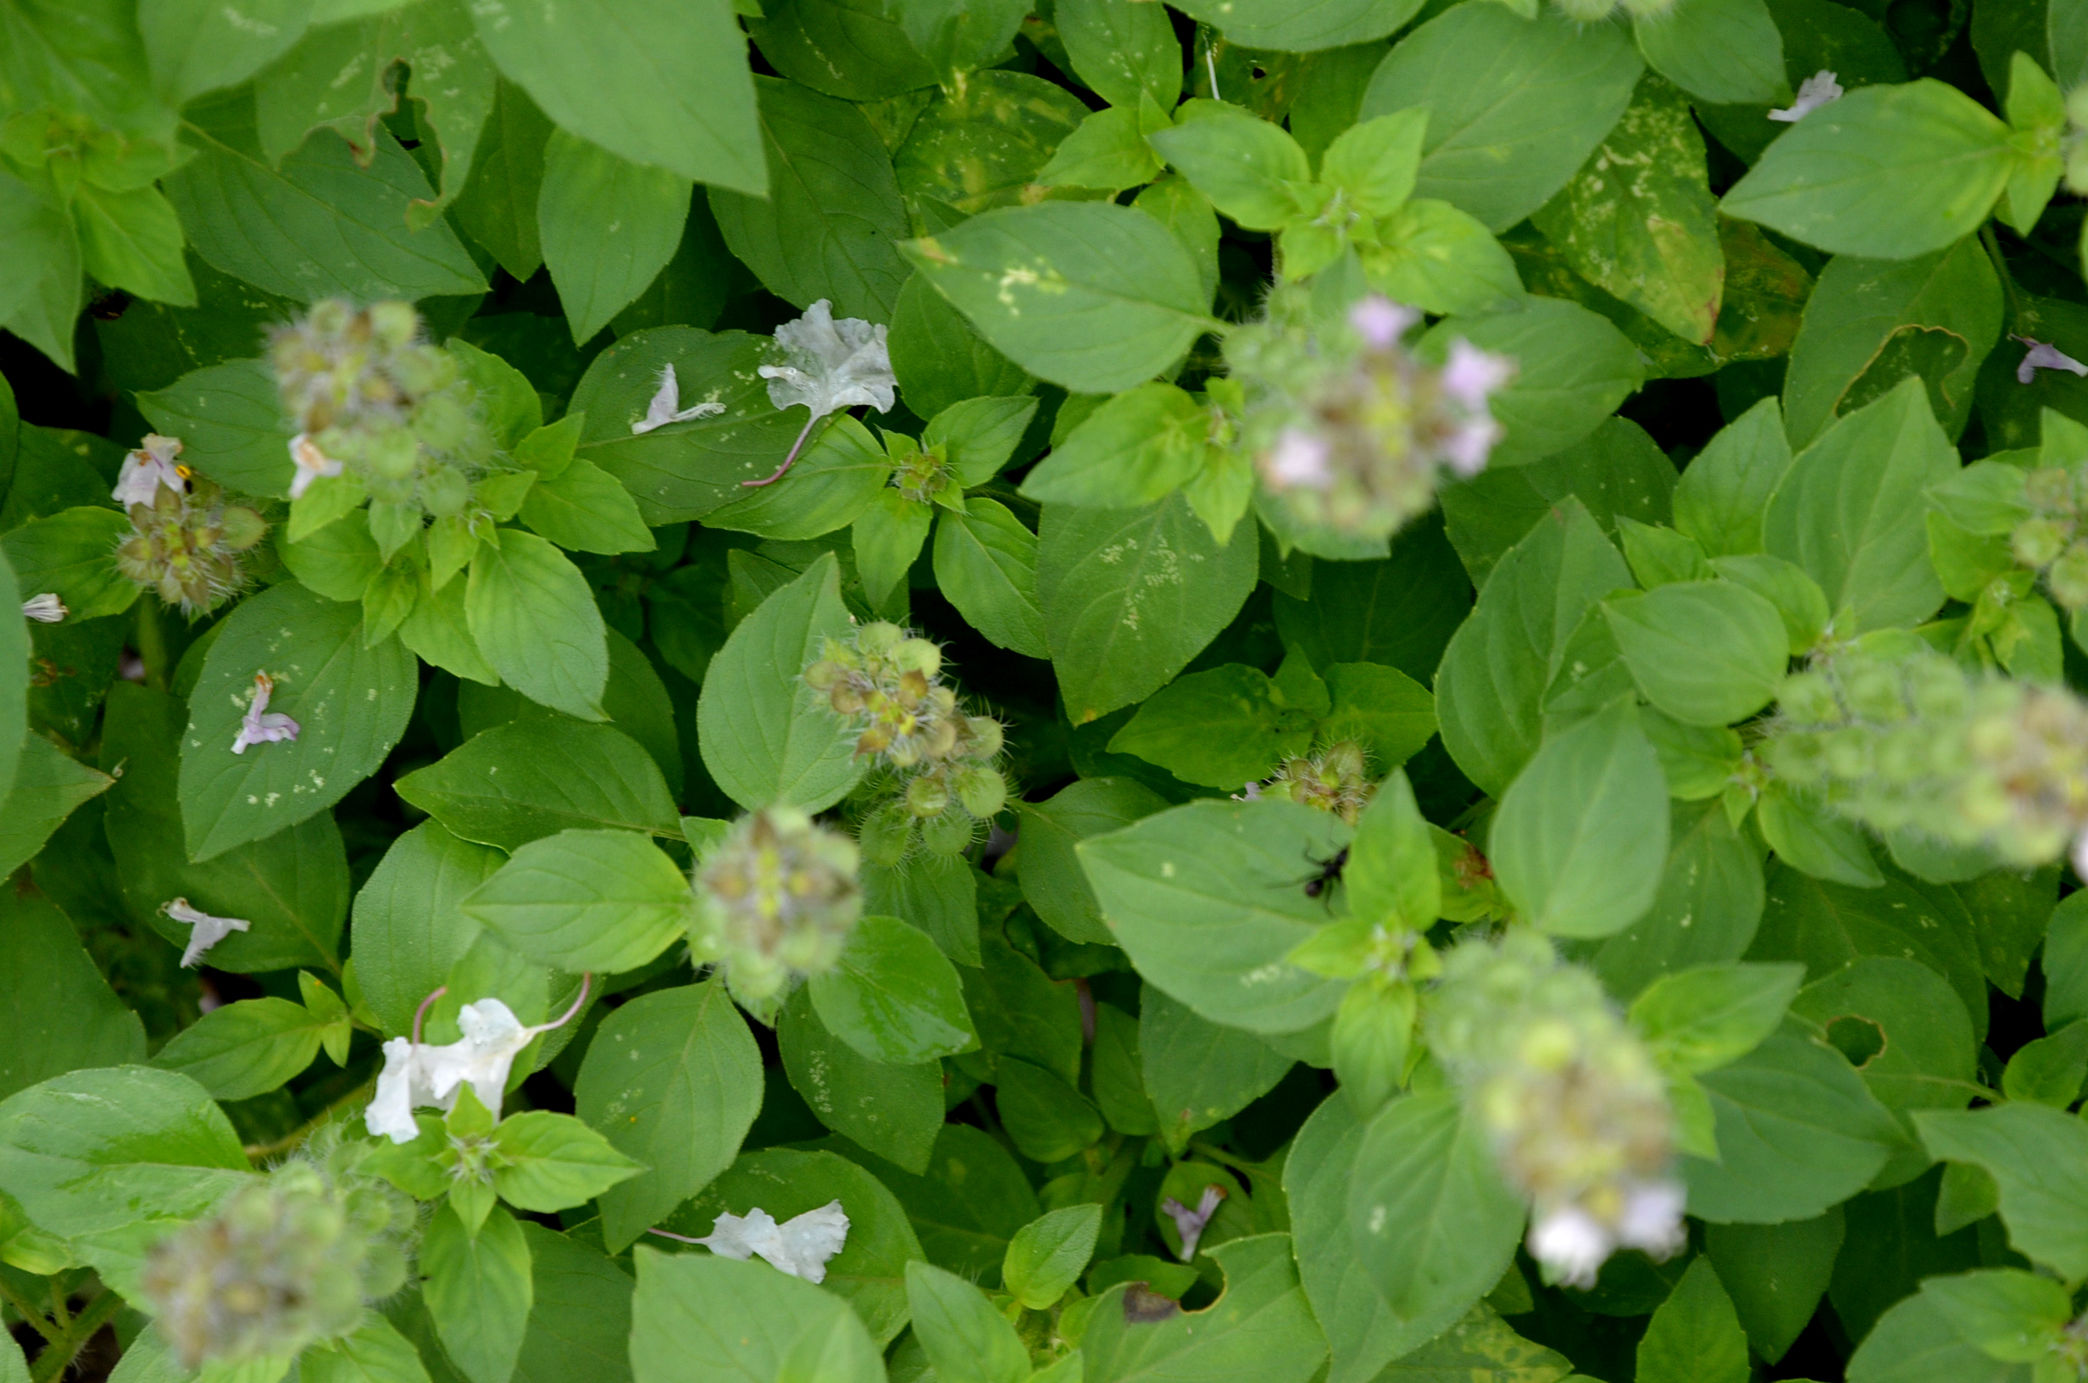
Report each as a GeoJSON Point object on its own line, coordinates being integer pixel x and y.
{"type": "Point", "coordinates": [1037, 691]}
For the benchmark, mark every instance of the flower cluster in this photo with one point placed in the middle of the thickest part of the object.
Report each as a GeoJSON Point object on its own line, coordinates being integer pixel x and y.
{"type": "Point", "coordinates": [368, 396]}
{"type": "Point", "coordinates": [288, 1260]}
{"type": "Point", "coordinates": [1349, 428]}
{"type": "Point", "coordinates": [1333, 779]}
{"type": "Point", "coordinates": [2052, 541]}
{"type": "Point", "coordinates": [935, 760]}
{"type": "Point", "coordinates": [186, 542]}
{"type": "Point", "coordinates": [1899, 737]}
{"type": "Point", "coordinates": [1573, 1103]}
{"type": "Point", "coordinates": [777, 896]}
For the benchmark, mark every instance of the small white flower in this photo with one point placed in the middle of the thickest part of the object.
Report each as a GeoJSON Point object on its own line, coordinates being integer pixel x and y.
{"type": "Point", "coordinates": [261, 725]}
{"type": "Point", "coordinates": [1190, 1224]}
{"type": "Point", "coordinates": [401, 1086]}
{"type": "Point", "coordinates": [666, 406]}
{"type": "Point", "coordinates": [1299, 460]}
{"type": "Point", "coordinates": [312, 464]}
{"type": "Point", "coordinates": [149, 467]}
{"type": "Point", "coordinates": [44, 609]}
{"type": "Point", "coordinates": [2043, 355]}
{"type": "Point", "coordinates": [799, 1246]}
{"type": "Point", "coordinates": [420, 1075]}
{"type": "Point", "coordinates": [1572, 1244]}
{"type": "Point", "coordinates": [1652, 1218]}
{"type": "Point", "coordinates": [207, 931]}
{"type": "Point", "coordinates": [1380, 321]}
{"type": "Point", "coordinates": [2080, 855]}
{"type": "Point", "coordinates": [832, 364]}
{"type": "Point", "coordinates": [1815, 91]}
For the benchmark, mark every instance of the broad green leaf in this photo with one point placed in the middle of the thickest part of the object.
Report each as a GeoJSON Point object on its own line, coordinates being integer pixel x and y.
{"type": "Point", "coordinates": [70, 554]}
{"type": "Point", "coordinates": [1300, 26]}
{"type": "Point", "coordinates": [1134, 449]}
{"type": "Point", "coordinates": [965, 1338]}
{"type": "Point", "coordinates": [895, 1112]}
{"type": "Point", "coordinates": [1889, 172]}
{"type": "Point", "coordinates": [1916, 1341]}
{"type": "Point", "coordinates": [60, 1014]}
{"type": "Point", "coordinates": [1849, 511]}
{"type": "Point", "coordinates": [534, 777]}
{"type": "Point", "coordinates": [969, 1205]}
{"type": "Point", "coordinates": [670, 89]}
{"type": "Point", "coordinates": [546, 1162]}
{"type": "Point", "coordinates": [1209, 899]}
{"type": "Point", "coordinates": [2009, 1313]}
{"type": "Point", "coordinates": [1515, 105]}
{"type": "Point", "coordinates": [1716, 50]}
{"type": "Point", "coordinates": [245, 1049]}
{"type": "Point", "coordinates": [1220, 728]}
{"type": "Point", "coordinates": [938, 359]}
{"type": "Point", "coordinates": [498, 205]}
{"type": "Point", "coordinates": [1390, 714]}
{"type": "Point", "coordinates": [1708, 907]}
{"type": "Point", "coordinates": [984, 143]}
{"type": "Point", "coordinates": [673, 1079]}
{"type": "Point", "coordinates": [1197, 1072]}
{"type": "Point", "coordinates": [606, 901]}
{"type": "Point", "coordinates": [39, 303]}
{"type": "Point", "coordinates": [535, 620]}
{"type": "Point", "coordinates": [49, 784]}
{"type": "Point", "coordinates": [1130, 596]}
{"type": "Point", "coordinates": [585, 509]}
{"type": "Point", "coordinates": [1695, 1336]}
{"type": "Point", "coordinates": [1440, 259]}
{"type": "Point", "coordinates": [230, 420]}
{"type": "Point", "coordinates": [1244, 164]}
{"type": "Point", "coordinates": [1045, 1117]}
{"type": "Point", "coordinates": [350, 702]}
{"type": "Point", "coordinates": [1705, 652]}
{"type": "Point", "coordinates": [767, 737]}
{"type": "Point", "coordinates": [853, 49]}
{"type": "Point", "coordinates": [893, 996]}
{"type": "Point", "coordinates": [986, 565]}
{"type": "Point", "coordinates": [957, 36]}
{"type": "Point", "coordinates": [1122, 52]}
{"type": "Point", "coordinates": [196, 47]}
{"type": "Point", "coordinates": [1722, 493]}
{"type": "Point", "coordinates": [374, 1352]}
{"type": "Point", "coordinates": [700, 1319]}
{"type": "Point", "coordinates": [1572, 369]}
{"type": "Point", "coordinates": [14, 669]}
{"type": "Point", "coordinates": [579, 1313]}
{"type": "Point", "coordinates": [1705, 1017]}
{"type": "Point", "coordinates": [478, 1290]}
{"type": "Point", "coordinates": [132, 240]}
{"type": "Point", "coordinates": [2035, 1153]}
{"type": "Point", "coordinates": [1260, 1328]}
{"type": "Point", "coordinates": [1048, 1255]}
{"type": "Point", "coordinates": [937, 893]}
{"type": "Point", "coordinates": [1053, 882]}
{"type": "Point", "coordinates": [832, 212]}
{"type": "Point", "coordinates": [1776, 1275]}
{"type": "Point", "coordinates": [1090, 296]}
{"type": "Point", "coordinates": [608, 226]}
{"type": "Point", "coordinates": [1581, 834]}
{"type": "Point", "coordinates": [1638, 220]}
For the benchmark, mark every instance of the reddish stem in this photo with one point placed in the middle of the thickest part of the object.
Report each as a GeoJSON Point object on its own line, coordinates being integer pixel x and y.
{"type": "Point", "coordinates": [586, 979]}
{"type": "Point", "coordinates": [795, 447]}
{"type": "Point", "coordinates": [669, 1234]}
{"type": "Point", "coordinates": [422, 1011]}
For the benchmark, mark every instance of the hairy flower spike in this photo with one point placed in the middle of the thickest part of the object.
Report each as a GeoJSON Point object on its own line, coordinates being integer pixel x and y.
{"type": "Point", "coordinates": [1575, 1108]}
{"type": "Point", "coordinates": [186, 541]}
{"type": "Point", "coordinates": [1333, 779]}
{"type": "Point", "coordinates": [778, 896]}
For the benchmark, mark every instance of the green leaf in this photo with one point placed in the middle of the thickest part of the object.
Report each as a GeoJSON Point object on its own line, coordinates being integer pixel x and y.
{"type": "Point", "coordinates": [895, 1112]}
{"type": "Point", "coordinates": [546, 1162]}
{"type": "Point", "coordinates": [59, 1012]}
{"type": "Point", "coordinates": [1515, 105]}
{"type": "Point", "coordinates": [1048, 1255]}
{"type": "Point", "coordinates": [14, 668]}
{"type": "Point", "coordinates": [374, 1352]}
{"type": "Point", "coordinates": [49, 784]}
{"type": "Point", "coordinates": [957, 36]}
{"type": "Point", "coordinates": [478, 1290]}
{"type": "Point", "coordinates": [1695, 1336]}
{"type": "Point", "coordinates": [1705, 652]}
{"type": "Point", "coordinates": [535, 620]}
{"type": "Point", "coordinates": [1440, 259]}
{"type": "Point", "coordinates": [71, 555]}
{"type": "Point", "coordinates": [847, 48]}
{"type": "Point", "coordinates": [1292, 27]}
{"type": "Point", "coordinates": [585, 509]}
{"type": "Point", "coordinates": [670, 90]}
{"type": "Point", "coordinates": [1391, 873]}
{"type": "Point", "coordinates": [1122, 52]}
{"type": "Point", "coordinates": [937, 893]}
{"type": "Point", "coordinates": [1108, 152]}
{"type": "Point", "coordinates": [1723, 492]}
{"type": "Point", "coordinates": [607, 226]}
{"type": "Point", "coordinates": [1244, 164]}
{"type": "Point", "coordinates": [1134, 449]}
{"type": "Point", "coordinates": [1220, 728]}
{"type": "Point", "coordinates": [832, 213]}
{"type": "Point", "coordinates": [1572, 369]}
{"type": "Point", "coordinates": [1809, 837]}
{"type": "Point", "coordinates": [1776, 1275]}
{"type": "Point", "coordinates": [245, 1049]}
{"type": "Point", "coordinates": [1724, 51]}
{"type": "Point", "coordinates": [1053, 882]}
{"type": "Point", "coordinates": [350, 702]}
{"type": "Point", "coordinates": [1849, 511]}
{"type": "Point", "coordinates": [964, 1337]}
{"type": "Point", "coordinates": [767, 737]}
{"type": "Point", "coordinates": [938, 359]}
{"type": "Point", "coordinates": [1259, 1328]}
{"type": "Point", "coordinates": [1708, 907]}
{"type": "Point", "coordinates": [132, 240]}
{"type": "Point", "coordinates": [1045, 1117]}
{"type": "Point", "coordinates": [607, 901]}
{"type": "Point", "coordinates": [196, 47]}
{"type": "Point", "coordinates": [579, 1314]}
{"type": "Point", "coordinates": [1708, 1016]}
{"type": "Point", "coordinates": [533, 777]}
{"type": "Point", "coordinates": [1209, 899]}
{"type": "Point", "coordinates": [893, 996]}
{"type": "Point", "coordinates": [1889, 172]}
{"type": "Point", "coordinates": [1649, 235]}
{"type": "Point", "coordinates": [1915, 1341]}
{"type": "Point", "coordinates": [1090, 296]}
{"type": "Point", "coordinates": [498, 204]}
{"type": "Point", "coordinates": [986, 565]}
{"type": "Point", "coordinates": [2008, 1313]}
{"type": "Point", "coordinates": [1376, 161]}
{"type": "Point", "coordinates": [1197, 1072]}
{"type": "Point", "coordinates": [969, 1205]}
{"type": "Point", "coordinates": [673, 1079]}
{"type": "Point", "coordinates": [1130, 596]}
{"type": "Point", "coordinates": [700, 1319]}
{"type": "Point", "coordinates": [230, 421]}
{"type": "Point", "coordinates": [2035, 1153]}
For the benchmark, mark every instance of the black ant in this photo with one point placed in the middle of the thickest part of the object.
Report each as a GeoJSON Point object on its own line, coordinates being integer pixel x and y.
{"type": "Point", "coordinates": [1329, 872]}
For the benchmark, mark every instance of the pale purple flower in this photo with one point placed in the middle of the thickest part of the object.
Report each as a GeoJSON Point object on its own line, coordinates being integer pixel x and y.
{"type": "Point", "coordinates": [2043, 355]}
{"type": "Point", "coordinates": [1380, 321]}
{"type": "Point", "coordinates": [666, 408]}
{"type": "Point", "coordinates": [261, 725]}
{"type": "Point", "coordinates": [1466, 448]}
{"type": "Point", "coordinates": [800, 1246]}
{"type": "Point", "coordinates": [1571, 1244]}
{"type": "Point", "coordinates": [1190, 1224]}
{"type": "Point", "coordinates": [1815, 91]}
{"type": "Point", "coordinates": [1652, 1218]}
{"type": "Point", "coordinates": [44, 609]}
{"type": "Point", "coordinates": [1472, 375]}
{"type": "Point", "coordinates": [1300, 459]}
{"type": "Point", "coordinates": [206, 931]}
{"type": "Point", "coordinates": [312, 464]}
{"type": "Point", "coordinates": [149, 467]}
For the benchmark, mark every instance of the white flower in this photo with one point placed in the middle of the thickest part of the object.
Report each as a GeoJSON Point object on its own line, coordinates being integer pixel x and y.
{"type": "Point", "coordinates": [2043, 355]}
{"type": "Point", "coordinates": [666, 406]}
{"type": "Point", "coordinates": [832, 365]}
{"type": "Point", "coordinates": [1652, 1218]}
{"type": "Point", "coordinates": [1380, 321]}
{"type": "Point", "coordinates": [1190, 1224]}
{"type": "Point", "coordinates": [311, 463]}
{"type": "Point", "coordinates": [44, 609]}
{"type": "Point", "coordinates": [149, 467]}
{"type": "Point", "coordinates": [420, 1074]}
{"type": "Point", "coordinates": [207, 931]}
{"type": "Point", "coordinates": [1815, 91]}
{"type": "Point", "coordinates": [799, 1246]}
{"type": "Point", "coordinates": [2080, 855]}
{"type": "Point", "coordinates": [1572, 1244]}
{"type": "Point", "coordinates": [1299, 459]}
{"type": "Point", "coordinates": [261, 725]}
{"type": "Point", "coordinates": [401, 1086]}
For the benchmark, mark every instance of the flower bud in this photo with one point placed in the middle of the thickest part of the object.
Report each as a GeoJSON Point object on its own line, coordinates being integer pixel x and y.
{"type": "Point", "coordinates": [2035, 542]}
{"type": "Point", "coordinates": [981, 791]}
{"type": "Point", "coordinates": [949, 834]}
{"type": "Point", "coordinates": [927, 796]}
{"type": "Point", "coordinates": [2067, 577]}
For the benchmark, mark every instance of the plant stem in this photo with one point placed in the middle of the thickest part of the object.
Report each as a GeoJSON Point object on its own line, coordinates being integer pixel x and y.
{"type": "Point", "coordinates": [59, 1354]}
{"type": "Point", "coordinates": [795, 448]}
{"type": "Point", "coordinates": [38, 1322]}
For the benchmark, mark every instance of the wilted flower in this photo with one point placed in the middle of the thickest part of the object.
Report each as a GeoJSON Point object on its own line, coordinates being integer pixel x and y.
{"type": "Point", "coordinates": [1190, 1224]}
{"type": "Point", "coordinates": [800, 1246]}
{"type": "Point", "coordinates": [260, 725]}
{"type": "Point", "coordinates": [2043, 355]}
{"type": "Point", "coordinates": [147, 469]}
{"type": "Point", "coordinates": [311, 463]}
{"type": "Point", "coordinates": [1572, 1102]}
{"type": "Point", "coordinates": [666, 408]}
{"type": "Point", "coordinates": [829, 365]}
{"type": "Point", "coordinates": [777, 896]}
{"type": "Point", "coordinates": [44, 609]}
{"type": "Point", "coordinates": [1815, 91]}
{"type": "Point", "coordinates": [417, 1074]}
{"type": "Point", "coordinates": [206, 931]}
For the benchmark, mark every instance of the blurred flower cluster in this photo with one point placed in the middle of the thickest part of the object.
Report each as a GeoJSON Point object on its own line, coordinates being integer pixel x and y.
{"type": "Point", "coordinates": [777, 897]}
{"type": "Point", "coordinates": [2051, 541]}
{"type": "Point", "coordinates": [1335, 778]}
{"type": "Point", "coordinates": [186, 542]}
{"type": "Point", "coordinates": [1575, 1108]}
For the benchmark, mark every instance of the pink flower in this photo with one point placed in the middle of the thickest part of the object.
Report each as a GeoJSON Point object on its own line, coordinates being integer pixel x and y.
{"type": "Point", "coordinates": [1380, 321]}
{"type": "Point", "coordinates": [2043, 355]}
{"type": "Point", "coordinates": [261, 725]}
{"type": "Point", "coordinates": [1471, 375]}
{"type": "Point", "coordinates": [1465, 450]}
{"type": "Point", "coordinates": [1300, 459]}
